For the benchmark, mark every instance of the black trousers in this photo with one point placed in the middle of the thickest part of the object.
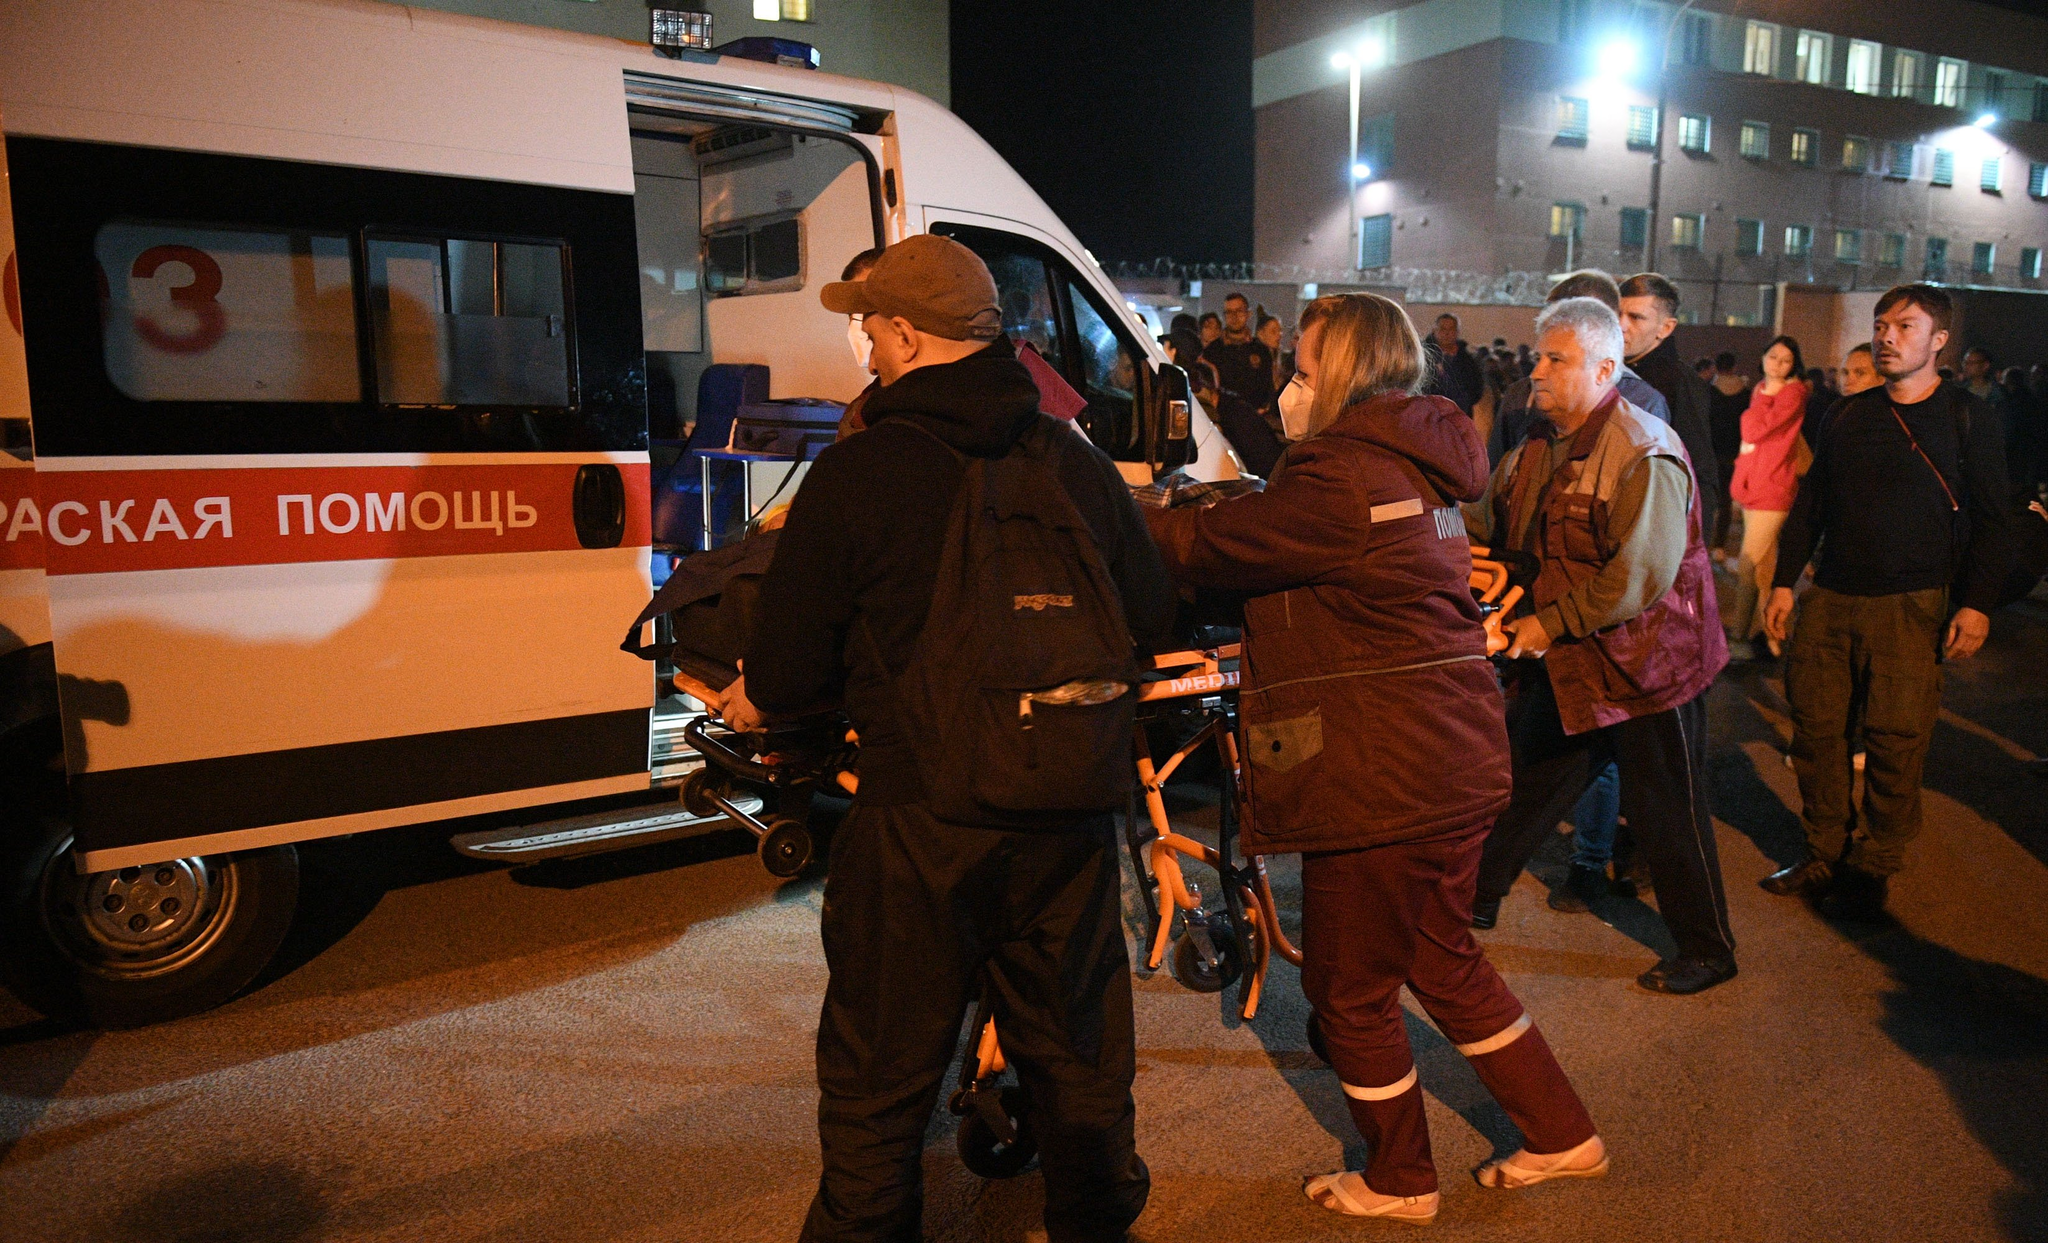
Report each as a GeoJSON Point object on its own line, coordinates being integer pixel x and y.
{"type": "Point", "coordinates": [917, 915]}
{"type": "Point", "coordinates": [1662, 758]}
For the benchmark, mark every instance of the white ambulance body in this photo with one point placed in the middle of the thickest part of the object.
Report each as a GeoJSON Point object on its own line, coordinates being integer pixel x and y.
{"type": "Point", "coordinates": [358, 346]}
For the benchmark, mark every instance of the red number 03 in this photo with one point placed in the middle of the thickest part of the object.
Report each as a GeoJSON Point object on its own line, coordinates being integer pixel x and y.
{"type": "Point", "coordinates": [200, 298]}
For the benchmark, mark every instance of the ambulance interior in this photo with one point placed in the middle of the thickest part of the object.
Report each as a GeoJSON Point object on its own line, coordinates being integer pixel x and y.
{"type": "Point", "coordinates": [739, 226]}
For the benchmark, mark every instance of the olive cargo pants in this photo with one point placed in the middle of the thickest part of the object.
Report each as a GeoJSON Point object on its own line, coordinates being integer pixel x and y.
{"type": "Point", "coordinates": [1868, 663]}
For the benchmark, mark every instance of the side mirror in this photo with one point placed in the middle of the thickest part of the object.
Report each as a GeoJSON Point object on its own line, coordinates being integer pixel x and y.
{"type": "Point", "coordinates": [1169, 438]}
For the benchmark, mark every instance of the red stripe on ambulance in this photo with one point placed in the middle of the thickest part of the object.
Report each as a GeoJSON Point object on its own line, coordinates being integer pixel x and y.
{"type": "Point", "coordinates": [21, 521]}
{"type": "Point", "coordinates": [100, 522]}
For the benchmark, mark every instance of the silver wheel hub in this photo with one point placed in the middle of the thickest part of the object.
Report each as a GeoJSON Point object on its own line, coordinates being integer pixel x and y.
{"type": "Point", "coordinates": [139, 907]}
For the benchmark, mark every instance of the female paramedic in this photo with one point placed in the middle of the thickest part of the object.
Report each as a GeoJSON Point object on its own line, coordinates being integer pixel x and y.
{"type": "Point", "coordinates": [1375, 744]}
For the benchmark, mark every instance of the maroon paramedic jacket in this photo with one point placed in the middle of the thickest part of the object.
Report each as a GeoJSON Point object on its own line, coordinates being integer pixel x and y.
{"type": "Point", "coordinates": [1369, 711]}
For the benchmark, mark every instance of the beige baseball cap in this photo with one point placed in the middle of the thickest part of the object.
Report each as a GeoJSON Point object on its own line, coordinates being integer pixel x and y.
{"type": "Point", "coordinates": [937, 284]}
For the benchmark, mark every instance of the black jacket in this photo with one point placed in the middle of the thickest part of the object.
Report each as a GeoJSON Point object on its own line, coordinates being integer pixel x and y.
{"type": "Point", "coordinates": [1691, 400]}
{"type": "Point", "coordinates": [1455, 376]}
{"type": "Point", "coordinates": [861, 548]}
{"type": "Point", "coordinates": [1880, 517]}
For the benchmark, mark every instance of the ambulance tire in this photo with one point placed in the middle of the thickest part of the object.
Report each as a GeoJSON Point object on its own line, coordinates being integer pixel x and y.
{"type": "Point", "coordinates": [77, 967]}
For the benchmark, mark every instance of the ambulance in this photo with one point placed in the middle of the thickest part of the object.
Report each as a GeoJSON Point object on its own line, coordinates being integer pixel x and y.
{"type": "Point", "coordinates": [349, 352]}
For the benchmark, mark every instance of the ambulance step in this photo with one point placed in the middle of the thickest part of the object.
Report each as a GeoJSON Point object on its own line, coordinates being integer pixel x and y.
{"type": "Point", "coordinates": [670, 759]}
{"type": "Point", "coordinates": [589, 835]}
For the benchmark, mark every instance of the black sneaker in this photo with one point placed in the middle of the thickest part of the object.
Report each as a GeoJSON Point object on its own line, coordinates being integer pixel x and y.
{"type": "Point", "coordinates": [1804, 879]}
{"type": "Point", "coordinates": [1684, 976]}
{"type": "Point", "coordinates": [1581, 886]}
{"type": "Point", "coordinates": [1485, 912]}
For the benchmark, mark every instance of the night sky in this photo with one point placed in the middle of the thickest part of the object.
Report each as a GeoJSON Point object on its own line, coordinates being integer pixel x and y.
{"type": "Point", "coordinates": [1132, 118]}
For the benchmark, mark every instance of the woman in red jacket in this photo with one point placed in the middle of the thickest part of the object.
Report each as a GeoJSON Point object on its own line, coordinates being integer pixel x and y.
{"type": "Point", "coordinates": [1374, 744]}
{"type": "Point", "coordinates": [1767, 470]}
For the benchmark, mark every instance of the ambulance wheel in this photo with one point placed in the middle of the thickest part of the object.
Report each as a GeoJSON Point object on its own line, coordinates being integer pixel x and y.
{"type": "Point", "coordinates": [1203, 977]}
{"type": "Point", "coordinates": [697, 786]}
{"type": "Point", "coordinates": [785, 848]}
{"type": "Point", "coordinates": [136, 945]}
{"type": "Point", "coordinates": [985, 1154]}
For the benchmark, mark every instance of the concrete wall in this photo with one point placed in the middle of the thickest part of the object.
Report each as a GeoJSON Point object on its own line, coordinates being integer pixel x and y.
{"type": "Point", "coordinates": [902, 42]}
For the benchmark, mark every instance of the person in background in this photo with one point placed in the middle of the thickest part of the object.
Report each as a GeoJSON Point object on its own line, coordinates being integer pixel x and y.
{"type": "Point", "coordinates": [2023, 427]}
{"type": "Point", "coordinates": [1617, 643]}
{"type": "Point", "coordinates": [917, 912]}
{"type": "Point", "coordinates": [1859, 370]}
{"type": "Point", "coordinates": [1453, 371]}
{"type": "Point", "coordinates": [1731, 398]}
{"type": "Point", "coordinates": [1980, 376]}
{"type": "Point", "coordinates": [1514, 413]}
{"type": "Point", "coordinates": [1704, 369]}
{"type": "Point", "coordinates": [1365, 666]}
{"type": "Point", "coordinates": [1767, 471]}
{"type": "Point", "coordinates": [1243, 363]}
{"type": "Point", "coordinates": [1258, 445]}
{"type": "Point", "coordinates": [1211, 328]}
{"type": "Point", "coordinates": [1906, 497]}
{"type": "Point", "coordinates": [1183, 320]}
{"type": "Point", "coordinates": [1269, 334]}
{"type": "Point", "coordinates": [1820, 395]}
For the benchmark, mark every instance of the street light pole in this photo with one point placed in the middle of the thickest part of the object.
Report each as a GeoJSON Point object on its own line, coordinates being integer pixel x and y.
{"type": "Point", "coordinates": [1351, 166]}
{"type": "Point", "coordinates": [1657, 138]}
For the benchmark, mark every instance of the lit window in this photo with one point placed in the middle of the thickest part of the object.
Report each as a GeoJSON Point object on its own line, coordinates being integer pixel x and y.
{"type": "Point", "coordinates": [1376, 241]}
{"type": "Point", "coordinates": [1806, 147]}
{"type": "Point", "coordinates": [1855, 154]}
{"type": "Point", "coordinates": [1944, 167]}
{"type": "Point", "coordinates": [1642, 125]}
{"type": "Point", "coordinates": [2037, 180]}
{"type": "Point", "coordinates": [1893, 253]}
{"type": "Point", "coordinates": [1848, 245]}
{"type": "Point", "coordinates": [1567, 219]}
{"type": "Point", "coordinates": [1991, 175]}
{"type": "Point", "coordinates": [1948, 81]}
{"type": "Point", "coordinates": [2030, 262]}
{"type": "Point", "coordinates": [1937, 257]}
{"type": "Point", "coordinates": [1865, 58]}
{"type": "Point", "coordinates": [1810, 60]}
{"type": "Point", "coordinates": [1756, 140]}
{"type": "Point", "coordinates": [1984, 258]}
{"type": "Point", "coordinates": [1573, 118]}
{"type": "Point", "coordinates": [1906, 74]}
{"type": "Point", "coordinates": [1749, 238]}
{"type": "Point", "coordinates": [1695, 133]}
{"type": "Point", "coordinates": [1635, 228]}
{"type": "Point", "coordinates": [1686, 231]}
{"type": "Point", "coordinates": [1798, 240]}
{"type": "Point", "coordinates": [782, 10]}
{"type": "Point", "coordinates": [1760, 49]}
{"type": "Point", "coordinates": [1898, 160]}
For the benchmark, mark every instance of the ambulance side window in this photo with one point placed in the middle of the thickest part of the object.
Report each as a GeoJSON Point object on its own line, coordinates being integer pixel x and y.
{"type": "Point", "coordinates": [1109, 380]}
{"type": "Point", "coordinates": [1024, 289]}
{"type": "Point", "coordinates": [217, 314]}
{"type": "Point", "coordinates": [469, 322]}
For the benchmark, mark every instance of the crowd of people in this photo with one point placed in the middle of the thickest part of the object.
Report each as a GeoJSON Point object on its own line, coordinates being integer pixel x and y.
{"type": "Point", "coordinates": [971, 580]}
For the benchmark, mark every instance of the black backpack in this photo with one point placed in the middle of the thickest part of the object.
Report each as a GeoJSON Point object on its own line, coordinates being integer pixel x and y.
{"type": "Point", "coordinates": [1019, 695]}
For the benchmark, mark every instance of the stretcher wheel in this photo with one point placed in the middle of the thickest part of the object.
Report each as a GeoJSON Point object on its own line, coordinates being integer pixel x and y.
{"type": "Point", "coordinates": [696, 786]}
{"type": "Point", "coordinates": [984, 1153]}
{"type": "Point", "coordinates": [785, 848]}
{"type": "Point", "coordinates": [1202, 977]}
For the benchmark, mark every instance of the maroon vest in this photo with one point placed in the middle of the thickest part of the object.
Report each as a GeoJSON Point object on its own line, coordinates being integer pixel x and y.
{"type": "Point", "coordinates": [1665, 655]}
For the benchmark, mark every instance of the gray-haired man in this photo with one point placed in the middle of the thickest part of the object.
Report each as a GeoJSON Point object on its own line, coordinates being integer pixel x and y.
{"type": "Point", "coordinates": [1623, 621]}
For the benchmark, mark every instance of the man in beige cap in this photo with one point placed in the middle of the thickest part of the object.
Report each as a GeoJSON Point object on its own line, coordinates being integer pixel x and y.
{"type": "Point", "coordinates": [921, 915]}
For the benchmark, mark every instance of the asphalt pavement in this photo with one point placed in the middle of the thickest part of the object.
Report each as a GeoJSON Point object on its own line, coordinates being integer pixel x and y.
{"type": "Point", "coordinates": [620, 1048]}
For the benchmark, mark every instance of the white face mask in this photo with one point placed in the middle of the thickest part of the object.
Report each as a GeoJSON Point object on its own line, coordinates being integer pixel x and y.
{"type": "Point", "coordinates": [1294, 403]}
{"type": "Point", "coordinates": [863, 345]}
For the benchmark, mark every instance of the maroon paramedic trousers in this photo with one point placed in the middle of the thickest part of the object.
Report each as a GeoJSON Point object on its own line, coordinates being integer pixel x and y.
{"type": "Point", "coordinates": [1378, 918]}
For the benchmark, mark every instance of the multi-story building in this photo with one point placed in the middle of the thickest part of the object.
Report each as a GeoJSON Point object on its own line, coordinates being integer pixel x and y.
{"type": "Point", "coordinates": [1809, 149]}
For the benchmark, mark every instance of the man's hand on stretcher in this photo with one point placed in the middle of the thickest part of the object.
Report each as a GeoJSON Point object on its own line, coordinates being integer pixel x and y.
{"type": "Point", "coordinates": [1526, 637]}
{"type": "Point", "coordinates": [736, 709]}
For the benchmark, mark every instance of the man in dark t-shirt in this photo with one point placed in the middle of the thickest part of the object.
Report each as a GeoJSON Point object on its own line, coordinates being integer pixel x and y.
{"type": "Point", "coordinates": [1905, 502]}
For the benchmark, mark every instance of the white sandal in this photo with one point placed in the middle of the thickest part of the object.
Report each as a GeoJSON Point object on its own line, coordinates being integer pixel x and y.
{"type": "Point", "coordinates": [1517, 1171]}
{"type": "Point", "coordinates": [1331, 1192]}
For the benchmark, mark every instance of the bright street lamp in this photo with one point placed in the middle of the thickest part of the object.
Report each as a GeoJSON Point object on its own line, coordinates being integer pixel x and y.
{"type": "Point", "coordinates": [1986, 121]}
{"type": "Point", "coordinates": [1617, 58]}
{"type": "Point", "coordinates": [1360, 171]}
